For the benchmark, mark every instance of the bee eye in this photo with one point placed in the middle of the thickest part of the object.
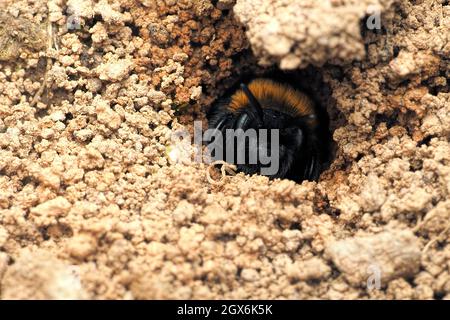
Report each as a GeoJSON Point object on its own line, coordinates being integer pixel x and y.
{"type": "Point", "coordinates": [297, 137]}
{"type": "Point", "coordinates": [292, 137]}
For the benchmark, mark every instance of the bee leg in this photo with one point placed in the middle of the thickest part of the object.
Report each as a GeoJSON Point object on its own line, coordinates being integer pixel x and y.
{"type": "Point", "coordinates": [312, 165]}
{"type": "Point", "coordinates": [221, 123]}
{"type": "Point", "coordinates": [242, 121]}
{"type": "Point", "coordinates": [208, 139]}
{"type": "Point", "coordinates": [312, 168]}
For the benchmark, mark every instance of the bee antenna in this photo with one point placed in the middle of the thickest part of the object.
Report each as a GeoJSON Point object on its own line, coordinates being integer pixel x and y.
{"type": "Point", "coordinates": [254, 103]}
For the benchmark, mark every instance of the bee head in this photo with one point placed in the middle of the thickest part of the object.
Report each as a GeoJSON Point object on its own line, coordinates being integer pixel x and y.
{"type": "Point", "coordinates": [257, 117]}
{"type": "Point", "coordinates": [268, 120]}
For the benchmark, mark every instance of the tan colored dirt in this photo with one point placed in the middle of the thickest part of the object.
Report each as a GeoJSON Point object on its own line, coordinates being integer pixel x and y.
{"type": "Point", "coordinates": [92, 204]}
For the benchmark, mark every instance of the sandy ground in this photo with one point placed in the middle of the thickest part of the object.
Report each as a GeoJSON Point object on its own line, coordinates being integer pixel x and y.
{"type": "Point", "coordinates": [93, 205]}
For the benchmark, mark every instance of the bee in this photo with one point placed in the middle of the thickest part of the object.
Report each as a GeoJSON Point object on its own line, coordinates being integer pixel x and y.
{"type": "Point", "coordinates": [265, 103]}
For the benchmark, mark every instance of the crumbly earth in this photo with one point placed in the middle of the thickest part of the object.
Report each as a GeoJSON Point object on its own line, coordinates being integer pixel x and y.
{"type": "Point", "coordinates": [93, 203]}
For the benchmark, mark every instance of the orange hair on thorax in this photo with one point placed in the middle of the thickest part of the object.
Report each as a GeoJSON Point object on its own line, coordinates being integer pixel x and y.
{"type": "Point", "coordinates": [274, 95]}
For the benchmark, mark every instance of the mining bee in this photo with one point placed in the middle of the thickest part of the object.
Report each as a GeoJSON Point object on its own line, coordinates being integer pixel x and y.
{"type": "Point", "coordinates": [265, 103]}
